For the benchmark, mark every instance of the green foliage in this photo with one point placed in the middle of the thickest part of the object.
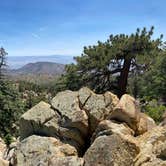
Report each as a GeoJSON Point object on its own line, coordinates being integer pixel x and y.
{"type": "Point", "coordinates": [152, 83]}
{"type": "Point", "coordinates": [25, 85]}
{"type": "Point", "coordinates": [11, 107]}
{"type": "Point", "coordinates": [154, 110]}
{"type": "Point", "coordinates": [3, 54]}
{"type": "Point", "coordinates": [8, 139]}
{"type": "Point", "coordinates": [106, 66]}
{"type": "Point", "coordinates": [34, 98]}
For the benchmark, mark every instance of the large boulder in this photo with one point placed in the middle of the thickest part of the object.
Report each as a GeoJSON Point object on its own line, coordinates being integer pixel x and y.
{"type": "Point", "coordinates": [110, 151]}
{"type": "Point", "coordinates": [127, 111]}
{"type": "Point", "coordinates": [67, 104]}
{"type": "Point", "coordinates": [36, 150]}
{"type": "Point", "coordinates": [153, 148]}
{"type": "Point", "coordinates": [39, 120]}
{"type": "Point", "coordinates": [81, 112]}
{"type": "Point", "coordinates": [97, 106]}
{"type": "Point", "coordinates": [74, 121]}
{"type": "Point", "coordinates": [145, 124]}
{"type": "Point", "coordinates": [107, 127]}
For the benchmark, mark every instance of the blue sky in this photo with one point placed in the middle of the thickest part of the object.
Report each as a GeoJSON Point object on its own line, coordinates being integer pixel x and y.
{"type": "Point", "coordinates": [46, 27]}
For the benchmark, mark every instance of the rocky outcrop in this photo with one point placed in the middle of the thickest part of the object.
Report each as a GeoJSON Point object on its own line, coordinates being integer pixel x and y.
{"type": "Point", "coordinates": [97, 106]}
{"type": "Point", "coordinates": [145, 124]}
{"type": "Point", "coordinates": [153, 148]}
{"type": "Point", "coordinates": [73, 124]}
{"type": "Point", "coordinates": [111, 150]}
{"type": "Point", "coordinates": [82, 128]}
{"type": "Point", "coordinates": [128, 111]}
{"type": "Point", "coordinates": [39, 120]}
{"type": "Point", "coordinates": [37, 150]}
{"type": "Point", "coordinates": [107, 127]}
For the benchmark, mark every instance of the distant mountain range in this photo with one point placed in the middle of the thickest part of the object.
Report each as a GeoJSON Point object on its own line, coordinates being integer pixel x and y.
{"type": "Point", "coordinates": [38, 68]}
{"type": "Point", "coordinates": [15, 62]}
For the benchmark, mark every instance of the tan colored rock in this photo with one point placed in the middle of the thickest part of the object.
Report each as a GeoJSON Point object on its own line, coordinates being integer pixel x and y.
{"type": "Point", "coordinates": [66, 161]}
{"type": "Point", "coordinates": [2, 147]}
{"type": "Point", "coordinates": [97, 106]}
{"type": "Point", "coordinates": [111, 100]}
{"type": "Point", "coordinates": [152, 148]}
{"type": "Point", "coordinates": [110, 151]}
{"type": "Point", "coordinates": [127, 111]}
{"type": "Point", "coordinates": [2, 151]}
{"type": "Point", "coordinates": [72, 134]}
{"type": "Point", "coordinates": [4, 162]}
{"type": "Point", "coordinates": [107, 127]}
{"type": "Point", "coordinates": [67, 104]}
{"type": "Point", "coordinates": [39, 120]}
{"type": "Point", "coordinates": [84, 94]}
{"type": "Point", "coordinates": [145, 124]}
{"type": "Point", "coordinates": [9, 153]}
{"type": "Point", "coordinates": [36, 150]}
{"type": "Point", "coordinates": [74, 120]}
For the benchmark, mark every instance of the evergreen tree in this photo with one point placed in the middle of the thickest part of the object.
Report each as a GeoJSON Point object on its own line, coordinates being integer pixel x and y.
{"type": "Point", "coordinates": [106, 66]}
{"type": "Point", "coordinates": [11, 105]}
{"type": "Point", "coordinates": [11, 108]}
{"type": "Point", "coordinates": [3, 54]}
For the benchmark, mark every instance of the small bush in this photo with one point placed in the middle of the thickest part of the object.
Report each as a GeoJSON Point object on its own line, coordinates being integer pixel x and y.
{"type": "Point", "coordinates": [154, 110]}
{"type": "Point", "coordinates": [8, 139]}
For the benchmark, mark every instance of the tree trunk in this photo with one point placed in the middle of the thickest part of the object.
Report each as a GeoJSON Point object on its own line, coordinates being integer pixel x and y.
{"type": "Point", "coordinates": [122, 84]}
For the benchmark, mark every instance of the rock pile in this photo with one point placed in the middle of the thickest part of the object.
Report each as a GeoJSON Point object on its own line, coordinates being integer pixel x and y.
{"type": "Point", "coordinates": [86, 129]}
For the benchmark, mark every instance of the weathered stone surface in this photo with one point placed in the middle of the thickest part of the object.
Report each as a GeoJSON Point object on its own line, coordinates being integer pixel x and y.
{"type": "Point", "coordinates": [84, 94]}
{"type": "Point", "coordinates": [107, 131]}
{"type": "Point", "coordinates": [39, 120]}
{"type": "Point", "coordinates": [127, 111]}
{"type": "Point", "coordinates": [4, 162]}
{"type": "Point", "coordinates": [66, 161]}
{"type": "Point", "coordinates": [110, 151]}
{"type": "Point", "coordinates": [9, 153]}
{"type": "Point", "coordinates": [145, 124]}
{"type": "Point", "coordinates": [97, 106]}
{"type": "Point", "coordinates": [36, 150]}
{"type": "Point", "coordinates": [72, 134]}
{"type": "Point", "coordinates": [107, 127]}
{"type": "Point", "coordinates": [2, 151]}
{"type": "Point", "coordinates": [67, 104]}
{"type": "Point", "coordinates": [74, 120]}
{"type": "Point", "coordinates": [2, 147]}
{"type": "Point", "coordinates": [153, 148]}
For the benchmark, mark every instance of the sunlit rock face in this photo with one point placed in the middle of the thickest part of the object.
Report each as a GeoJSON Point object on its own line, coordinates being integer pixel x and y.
{"type": "Point", "coordinates": [82, 128]}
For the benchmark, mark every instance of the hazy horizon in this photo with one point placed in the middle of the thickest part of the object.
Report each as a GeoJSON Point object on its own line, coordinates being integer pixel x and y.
{"type": "Point", "coordinates": [15, 62]}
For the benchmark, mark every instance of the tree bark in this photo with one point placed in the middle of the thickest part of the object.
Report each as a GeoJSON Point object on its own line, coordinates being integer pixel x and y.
{"type": "Point", "coordinates": [122, 84]}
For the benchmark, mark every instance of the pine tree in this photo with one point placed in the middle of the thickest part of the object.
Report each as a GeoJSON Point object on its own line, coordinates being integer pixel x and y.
{"type": "Point", "coordinates": [107, 65]}
{"type": "Point", "coordinates": [3, 54]}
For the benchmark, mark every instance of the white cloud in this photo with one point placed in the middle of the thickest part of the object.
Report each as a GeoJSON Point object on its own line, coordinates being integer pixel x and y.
{"type": "Point", "coordinates": [35, 36]}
